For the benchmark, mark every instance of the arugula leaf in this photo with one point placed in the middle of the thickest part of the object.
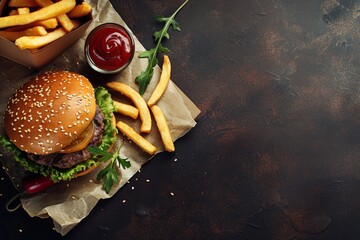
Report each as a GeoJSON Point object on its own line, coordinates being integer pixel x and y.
{"type": "Point", "coordinates": [145, 76]}
{"type": "Point", "coordinates": [109, 174]}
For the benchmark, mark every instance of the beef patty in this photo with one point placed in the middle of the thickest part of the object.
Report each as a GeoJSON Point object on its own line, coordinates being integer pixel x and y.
{"type": "Point", "coordinates": [67, 160]}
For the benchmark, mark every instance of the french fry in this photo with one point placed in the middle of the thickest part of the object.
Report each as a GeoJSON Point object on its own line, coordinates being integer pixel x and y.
{"type": "Point", "coordinates": [65, 22]}
{"type": "Point", "coordinates": [22, 3]}
{"type": "Point", "coordinates": [50, 23]}
{"type": "Point", "coordinates": [50, 11]}
{"type": "Point", "coordinates": [35, 31]}
{"type": "Point", "coordinates": [163, 82]}
{"type": "Point", "coordinates": [136, 138]}
{"type": "Point", "coordinates": [23, 10]}
{"type": "Point", "coordinates": [138, 101]}
{"type": "Point", "coordinates": [80, 10]}
{"type": "Point", "coordinates": [163, 128]}
{"type": "Point", "coordinates": [126, 109]}
{"type": "Point", "coordinates": [33, 42]}
{"type": "Point", "coordinates": [63, 19]}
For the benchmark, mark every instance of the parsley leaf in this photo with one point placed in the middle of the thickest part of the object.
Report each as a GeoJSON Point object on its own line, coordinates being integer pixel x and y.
{"type": "Point", "coordinates": [109, 174]}
{"type": "Point", "coordinates": [145, 76]}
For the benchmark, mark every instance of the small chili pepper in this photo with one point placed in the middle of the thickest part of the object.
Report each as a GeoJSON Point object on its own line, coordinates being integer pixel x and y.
{"type": "Point", "coordinates": [32, 184]}
{"type": "Point", "coordinates": [35, 184]}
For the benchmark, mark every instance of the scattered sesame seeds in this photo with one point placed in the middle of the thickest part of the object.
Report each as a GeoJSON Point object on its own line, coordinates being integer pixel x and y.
{"type": "Point", "coordinates": [48, 95]}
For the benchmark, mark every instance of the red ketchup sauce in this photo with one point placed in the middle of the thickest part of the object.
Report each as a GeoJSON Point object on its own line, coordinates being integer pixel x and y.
{"type": "Point", "coordinates": [109, 48]}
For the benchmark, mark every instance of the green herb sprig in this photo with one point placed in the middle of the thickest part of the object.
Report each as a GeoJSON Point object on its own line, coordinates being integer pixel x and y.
{"type": "Point", "coordinates": [145, 76]}
{"type": "Point", "coordinates": [109, 174]}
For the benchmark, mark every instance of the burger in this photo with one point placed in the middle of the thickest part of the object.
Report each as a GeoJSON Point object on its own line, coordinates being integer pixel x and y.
{"type": "Point", "coordinates": [51, 120]}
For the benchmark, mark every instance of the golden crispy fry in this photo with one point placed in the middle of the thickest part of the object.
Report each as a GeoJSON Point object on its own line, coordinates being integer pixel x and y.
{"type": "Point", "coordinates": [138, 101]}
{"type": "Point", "coordinates": [22, 3]}
{"type": "Point", "coordinates": [80, 10]}
{"type": "Point", "coordinates": [163, 128]}
{"type": "Point", "coordinates": [126, 109]}
{"type": "Point", "coordinates": [163, 82]}
{"type": "Point", "coordinates": [63, 19]}
{"type": "Point", "coordinates": [32, 42]}
{"type": "Point", "coordinates": [23, 10]}
{"type": "Point", "coordinates": [65, 22]}
{"type": "Point", "coordinates": [136, 138]}
{"type": "Point", "coordinates": [35, 31]}
{"type": "Point", "coordinates": [53, 10]}
{"type": "Point", "coordinates": [50, 23]}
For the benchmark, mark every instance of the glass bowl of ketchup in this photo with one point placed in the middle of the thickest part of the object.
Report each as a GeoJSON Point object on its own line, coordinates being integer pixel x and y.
{"type": "Point", "coordinates": [109, 48]}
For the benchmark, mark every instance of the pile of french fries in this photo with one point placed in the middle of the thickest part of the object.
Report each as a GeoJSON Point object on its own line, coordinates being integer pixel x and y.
{"type": "Point", "coordinates": [32, 24]}
{"type": "Point", "coordinates": [143, 110]}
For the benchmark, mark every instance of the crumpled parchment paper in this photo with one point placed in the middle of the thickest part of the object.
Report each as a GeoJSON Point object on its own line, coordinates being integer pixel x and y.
{"type": "Point", "coordinates": [67, 203]}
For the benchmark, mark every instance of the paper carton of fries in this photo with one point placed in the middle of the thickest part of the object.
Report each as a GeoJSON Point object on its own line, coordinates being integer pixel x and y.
{"type": "Point", "coordinates": [34, 32]}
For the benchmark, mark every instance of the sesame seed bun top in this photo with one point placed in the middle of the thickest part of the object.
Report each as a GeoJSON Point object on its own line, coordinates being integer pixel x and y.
{"type": "Point", "coordinates": [48, 112]}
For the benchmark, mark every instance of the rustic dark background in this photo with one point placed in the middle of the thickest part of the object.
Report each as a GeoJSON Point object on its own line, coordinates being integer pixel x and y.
{"type": "Point", "coordinates": [276, 151]}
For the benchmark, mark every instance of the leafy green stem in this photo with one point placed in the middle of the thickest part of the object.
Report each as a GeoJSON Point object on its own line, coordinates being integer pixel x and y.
{"type": "Point", "coordinates": [145, 76]}
{"type": "Point", "coordinates": [163, 32]}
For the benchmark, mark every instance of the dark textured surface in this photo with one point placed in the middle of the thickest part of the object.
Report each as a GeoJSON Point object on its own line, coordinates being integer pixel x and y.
{"type": "Point", "coordinates": [276, 152]}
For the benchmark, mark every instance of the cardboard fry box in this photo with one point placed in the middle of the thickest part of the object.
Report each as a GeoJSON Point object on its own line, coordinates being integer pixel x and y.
{"type": "Point", "coordinates": [41, 57]}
